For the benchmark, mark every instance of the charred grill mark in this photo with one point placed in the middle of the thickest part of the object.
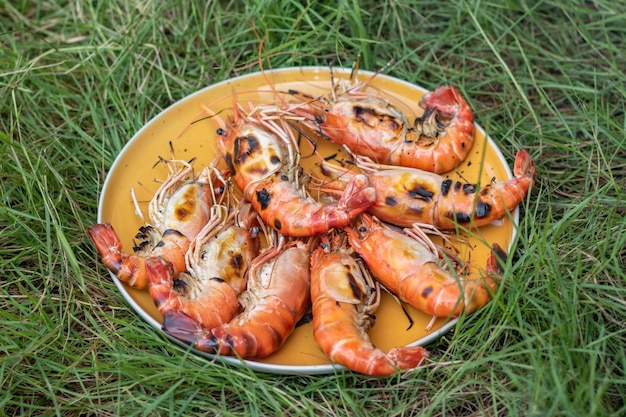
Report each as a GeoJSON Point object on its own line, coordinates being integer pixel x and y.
{"type": "Point", "coordinates": [229, 162]}
{"type": "Point", "coordinates": [145, 229]}
{"type": "Point", "coordinates": [416, 210]}
{"type": "Point", "coordinates": [253, 144]}
{"type": "Point", "coordinates": [217, 279]}
{"type": "Point", "coordinates": [258, 169]}
{"type": "Point", "coordinates": [354, 286]}
{"type": "Point", "coordinates": [188, 204]}
{"type": "Point", "coordinates": [445, 187]}
{"type": "Point", "coordinates": [482, 209]}
{"type": "Point", "coordinates": [469, 188]}
{"type": "Point", "coordinates": [264, 198]}
{"type": "Point", "coordinates": [427, 291]}
{"type": "Point", "coordinates": [275, 160]}
{"type": "Point", "coordinates": [360, 114]}
{"type": "Point", "coordinates": [244, 147]}
{"type": "Point", "coordinates": [390, 201]}
{"type": "Point", "coordinates": [236, 149]}
{"type": "Point", "coordinates": [485, 190]}
{"type": "Point", "coordinates": [420, 192]}
{"type": "Point", "coordinates": [462, 217]}
{"type": "Point", "coordinates": [360, 111]}
{"type": "Point", "coordinates": [172, 232]}
{"type": "Point", "coordinates": [237, 261]}
{"type": "Point", "coordinates": [457, 186]}
{"type": "Point", "coordinates": [141, 246]}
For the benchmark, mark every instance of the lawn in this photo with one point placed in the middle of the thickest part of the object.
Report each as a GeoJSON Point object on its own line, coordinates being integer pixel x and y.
{"type": "Point", "coordinates": [78, 79]}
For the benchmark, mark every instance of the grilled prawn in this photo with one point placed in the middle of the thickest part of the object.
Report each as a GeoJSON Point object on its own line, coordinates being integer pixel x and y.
{"type": "Point", "coordinates": [371, 126]}
{"type": "Point", "coordinates": [344, 297]}
{"type": "Point", "coordinates": [263, 159]}
{"type": "Point", "coordinates": [205, 296]}
{"type": "Point", "coordinates": [177, 212]}
{"type": "Point", "coordinates": [405, 196]}
{"type": "Point", "coordinates": [408, 268]}
{"type": "Point", "coordinates": [277, 296]}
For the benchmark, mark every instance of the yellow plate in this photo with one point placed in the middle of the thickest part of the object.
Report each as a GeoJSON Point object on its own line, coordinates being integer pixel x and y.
{"type": "Point", "coordinates": [135, 169]}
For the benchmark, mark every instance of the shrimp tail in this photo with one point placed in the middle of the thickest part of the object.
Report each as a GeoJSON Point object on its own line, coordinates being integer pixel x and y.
{"type": "Point", "coordinates": [496, 260]}
{"type": "Point", "coordinates": [129, 269]}
{"type": "Point", "coordinates": [446, 100]}
{"type": "Point", "coordinates": [407, 357]}
{"type": "Point", "coordinates": [358, 196]}
{"type": "Point", "coordinates": [182, 327]}
{"type": "Point", "coordinates": [160, 275]}
{"type": "Point", "coordinates": [524, 165]}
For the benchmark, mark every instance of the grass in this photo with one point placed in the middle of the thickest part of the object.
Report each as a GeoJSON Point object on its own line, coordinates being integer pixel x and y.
{"type": "Point", "coordinates": [78, 79]}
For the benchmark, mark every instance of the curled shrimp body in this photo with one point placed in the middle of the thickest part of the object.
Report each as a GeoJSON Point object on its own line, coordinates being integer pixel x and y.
{"type": "Point", "coordinates": [408, 268]}
{"type": "Point", "coordinates": [277, 296]}
{"type": "Point", "coordinates": [205, 296]}
{"type": "Point", "coordinates": [371, 126]}
{"type": "Point", "coordinates": [405, 196]}
{"type": "Point", "coordinates": [344, 297]}
{"type": "Point", "coordinates": [263, 160]}
{"type": "Point", "coordinates": [178, 211]}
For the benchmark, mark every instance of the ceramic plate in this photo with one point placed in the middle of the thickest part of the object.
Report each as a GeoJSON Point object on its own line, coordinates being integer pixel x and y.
{"type": "Point", "coordinates": [135, 168]}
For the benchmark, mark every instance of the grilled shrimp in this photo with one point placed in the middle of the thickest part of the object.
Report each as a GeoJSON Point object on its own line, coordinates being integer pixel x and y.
{"type": "Point", "coordinates": [263, 159]}
{"type": "Point", "coordinates": [371, 126]}
{"type": "Point", "coordinates": [344, 297]}
{"type": "Point", "coordinates": [277, 296]}
{"type": "Point", "coordinates": [177, 212]}
{"type": "Point", "coordinates": [405, 196]}
{"type": "Point", "coordinates": [408, 268]}
{"type": "Point", "coordinates": [205, 296]}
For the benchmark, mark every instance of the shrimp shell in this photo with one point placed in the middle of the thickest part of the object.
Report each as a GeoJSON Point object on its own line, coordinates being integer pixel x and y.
{"type": "Point", "coordinates": [405, 196]}
{"type": "Point", "coordinates": [372, 127]}
{"type": "Point", "coordinates": [408, 268]}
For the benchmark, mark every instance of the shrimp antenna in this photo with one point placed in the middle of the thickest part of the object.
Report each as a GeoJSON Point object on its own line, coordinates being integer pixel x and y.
{"type": "Point", "coordinates": [378, 72]}
{"type": "Point", "coordinates": [306, 136]}
{"type": "Point", "coordinates": [207, 117]}
{"type": "Point", "coordinates": [332, 81]}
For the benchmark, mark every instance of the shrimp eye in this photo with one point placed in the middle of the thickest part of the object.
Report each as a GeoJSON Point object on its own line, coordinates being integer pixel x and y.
{"type": "Point", "coordinates": [324, 245]}
{"type": "Point", "coordinates": [221, 132]}
{"type": "Point", "coordinates": [362, 229]}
